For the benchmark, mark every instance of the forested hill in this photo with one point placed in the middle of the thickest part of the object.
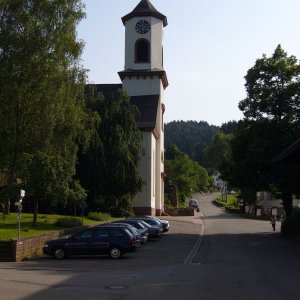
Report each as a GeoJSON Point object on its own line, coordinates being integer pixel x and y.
{"type": "Point", "coordinates": [192, 137]}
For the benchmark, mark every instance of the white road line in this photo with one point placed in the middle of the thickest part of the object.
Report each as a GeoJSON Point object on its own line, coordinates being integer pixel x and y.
{"type": "Point", "coordinates": [196, 247]}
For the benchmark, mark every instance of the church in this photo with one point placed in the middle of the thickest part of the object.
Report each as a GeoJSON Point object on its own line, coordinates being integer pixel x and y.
{"type": "Point", "coordinates": [144, 79]}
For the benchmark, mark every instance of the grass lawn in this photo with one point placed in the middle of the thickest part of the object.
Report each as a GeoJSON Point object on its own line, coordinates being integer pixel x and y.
{"type": "Point", "coordinates": [45, 224]}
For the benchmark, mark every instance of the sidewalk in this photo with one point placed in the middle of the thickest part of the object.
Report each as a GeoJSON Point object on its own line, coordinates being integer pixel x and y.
{"type": "Point", "coordinates": [196, 219]}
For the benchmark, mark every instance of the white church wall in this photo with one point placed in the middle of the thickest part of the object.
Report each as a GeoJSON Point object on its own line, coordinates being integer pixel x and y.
{"type": "Point", "coordinates": [130, 38]}
{"type": "Point", "coordinates": [159, 194]}
{"type": "Point", "coordinates": [157, 39]}
{"type": "Point", "coordinates": [154, 35]}
{"type": "Point", "coordinates": [146, 171]}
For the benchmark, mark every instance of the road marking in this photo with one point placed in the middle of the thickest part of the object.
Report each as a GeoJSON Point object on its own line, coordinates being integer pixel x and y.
{"type": "Point", "coordinates": [196, 247]}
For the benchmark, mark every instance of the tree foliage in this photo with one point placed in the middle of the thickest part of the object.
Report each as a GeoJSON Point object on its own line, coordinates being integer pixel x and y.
{"type": "Point", "coordinates": [190, 137]}
{"type": "Point", "coordinates": [183, 175]}
{"type": "Point", "coordinates": [218, 150]}
{"type": "Point", "coordinates": [110, 168]}
{"type": "Point", "coordinates": [272, 87]}
{"type": "Point", "coordinates": [42, 113]}
{"type": "Point", "coordinates": [271, 124]}
{"type": "Point", "coordinates": [229, 127]}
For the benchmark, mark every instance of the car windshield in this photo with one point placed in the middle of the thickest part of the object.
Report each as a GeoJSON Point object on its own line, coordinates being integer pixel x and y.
{"type": "Point", "coordinates": [136, 224]}
{"type": "Point", "coordinates": [144, 223]}
{"type": "Point", "coordinates": [128, 232]}
{"type": "Point", "coordinates": [151, 222]}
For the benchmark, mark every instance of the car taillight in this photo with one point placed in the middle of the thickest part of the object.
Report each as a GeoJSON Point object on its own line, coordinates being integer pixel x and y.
{"type": "Point", "coordinates": [131, 242]}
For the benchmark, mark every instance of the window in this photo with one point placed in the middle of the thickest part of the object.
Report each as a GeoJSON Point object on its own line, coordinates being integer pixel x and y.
{"type": "Point", "coordinates": [83, 235]}
{"type": "Point", "coordinates": [142, 51]}
{"type": "Point", "coordinates": [115, 232]}
{"type": "Point", "coordinates": [101, 232]}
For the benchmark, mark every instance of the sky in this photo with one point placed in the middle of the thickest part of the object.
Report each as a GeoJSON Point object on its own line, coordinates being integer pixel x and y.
{"type": "Point", "coordinates": [209, 45]}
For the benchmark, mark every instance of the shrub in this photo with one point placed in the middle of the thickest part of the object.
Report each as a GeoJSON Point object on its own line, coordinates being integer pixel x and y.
{"type": "Point", "coordinates": [99, 216]}
{"type": "Point", "coordinates": [232, 203]}
{"type": "Point", "coordinates": [291, 226]}
{"type": "Point", "coordinates": [68, 222]}
{"type": "Point", "coordinates": [120, 212]}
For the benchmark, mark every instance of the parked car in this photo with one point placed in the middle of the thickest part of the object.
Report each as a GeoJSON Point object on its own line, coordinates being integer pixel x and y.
{"type": "Point", "coordinates": [113, 241]}
{"type": "Point", "coordinates": [131, 228]}
{"type": "Point", "coordinates": [165, 223]}
{"type": "Point", "coordinates": [154, 228]}
{"type": "Point", "coordinates": [141, 228]}
{"type": "Point", "coordinates": [141, 234]}
{"type": "Point", "coordinates": [193, 203]}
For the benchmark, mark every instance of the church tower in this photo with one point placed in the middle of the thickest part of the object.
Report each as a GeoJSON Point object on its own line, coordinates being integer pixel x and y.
{"type": "Point", "coordinates": [144, 79]}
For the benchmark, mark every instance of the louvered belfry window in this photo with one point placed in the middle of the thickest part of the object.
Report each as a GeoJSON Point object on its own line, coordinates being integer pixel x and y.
{"type": "Point", "coordinates": [142, 51]}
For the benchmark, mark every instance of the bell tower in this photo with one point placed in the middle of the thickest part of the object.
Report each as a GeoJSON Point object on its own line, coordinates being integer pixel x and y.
{"type": "Point", "coordinates": [144, 79]}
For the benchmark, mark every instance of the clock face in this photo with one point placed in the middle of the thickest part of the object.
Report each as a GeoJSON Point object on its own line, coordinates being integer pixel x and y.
{"type": "Point", "coordinates": [142, 26]}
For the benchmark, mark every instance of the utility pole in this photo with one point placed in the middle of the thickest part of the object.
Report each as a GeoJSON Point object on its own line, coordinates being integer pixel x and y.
{"type": "Point", "coordinates": [19, 208]}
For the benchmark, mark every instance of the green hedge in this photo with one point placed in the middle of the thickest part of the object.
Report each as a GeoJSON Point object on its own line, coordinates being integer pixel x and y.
{"type": "Point", "coordinates": [99, 216]}
{"type": "Point", "coordinates": [232, 203]}
{"type": "Point", "coordinates": [68, 222]}
{"type": "Point", "coordinates": [291, 226]}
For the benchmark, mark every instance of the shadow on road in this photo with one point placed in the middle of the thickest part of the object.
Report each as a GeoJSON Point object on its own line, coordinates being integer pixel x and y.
{"type": "Point", "coordinates": [252, 258]}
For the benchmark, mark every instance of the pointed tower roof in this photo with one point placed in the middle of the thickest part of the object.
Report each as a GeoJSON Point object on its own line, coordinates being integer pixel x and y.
{"type": "Point", "coordinates": [143, 9]}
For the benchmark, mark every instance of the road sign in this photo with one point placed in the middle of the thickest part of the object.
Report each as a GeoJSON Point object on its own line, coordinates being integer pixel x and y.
{"type": "Point", "coordinates": [83, 205]}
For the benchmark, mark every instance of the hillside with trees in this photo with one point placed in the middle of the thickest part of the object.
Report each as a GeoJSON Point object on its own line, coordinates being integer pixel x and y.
{"type": "Point", "coordinates": [192, 137]}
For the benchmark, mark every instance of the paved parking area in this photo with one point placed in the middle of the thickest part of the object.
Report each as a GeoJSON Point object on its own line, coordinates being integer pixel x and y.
{"type": "Point", "coordinates": [172, 248]}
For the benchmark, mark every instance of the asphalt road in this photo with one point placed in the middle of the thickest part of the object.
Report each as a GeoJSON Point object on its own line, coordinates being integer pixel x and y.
{"type": "Point", "coordinates": [225, 257]}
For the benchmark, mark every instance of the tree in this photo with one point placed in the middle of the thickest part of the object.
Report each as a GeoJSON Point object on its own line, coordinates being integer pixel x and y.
{"type": "Point", "coordinates": [42, 113]}
{"type": "Point", "coordinates": [112, 163]}
{"type": "Point", "coordinates": [246, 165]}
{"type": "Point", "coordinates": [229, 127]}
{"type": "Point", "coordinates": [183, 175]}
{"type": "Point", "coordinates": [272, 87]}
{"type": "Point", "coordinates": [190, 137]}
{"type": "Point", "coordinates": [218, 151]}
{"type": "Point", "coordinates": [271, 123]}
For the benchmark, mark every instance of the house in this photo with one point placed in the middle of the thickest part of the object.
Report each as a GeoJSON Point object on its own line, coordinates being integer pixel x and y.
{"type": "Point", "coordinates": [265, 200]}
{"type": "Point", "coordinates": [217, 181]}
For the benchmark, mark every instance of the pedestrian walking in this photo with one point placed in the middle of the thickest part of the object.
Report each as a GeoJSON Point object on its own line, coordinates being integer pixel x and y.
{"type": "Point", "coordinates": [273, 222]}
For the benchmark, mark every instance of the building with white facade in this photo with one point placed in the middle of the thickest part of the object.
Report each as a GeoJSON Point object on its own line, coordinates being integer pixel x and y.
{"type": "Point", "coordinates": [144, 79]}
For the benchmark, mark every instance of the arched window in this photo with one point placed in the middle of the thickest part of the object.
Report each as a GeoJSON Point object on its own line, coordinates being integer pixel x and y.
{"type": "Point", "coordinates": [142, 51]}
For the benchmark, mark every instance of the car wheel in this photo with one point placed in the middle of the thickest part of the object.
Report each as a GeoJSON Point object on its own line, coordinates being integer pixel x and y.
{"type": "Point", "coordinates": [115, 252]}
{"type": "Point", "coordinates": [59, 252]}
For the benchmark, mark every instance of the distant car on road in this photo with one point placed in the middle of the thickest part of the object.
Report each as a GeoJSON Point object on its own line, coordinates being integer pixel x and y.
{"type": "Point", "coordinates": [193, 203]}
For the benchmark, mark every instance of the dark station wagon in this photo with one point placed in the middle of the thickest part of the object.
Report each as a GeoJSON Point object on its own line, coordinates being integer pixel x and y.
{"type": "Point", "coordinates": [113, 241]}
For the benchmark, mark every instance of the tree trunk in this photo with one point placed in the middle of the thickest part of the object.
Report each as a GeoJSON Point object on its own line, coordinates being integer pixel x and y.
{"type": "Point", "coordinates": [287, 201]}
{"type": "Point", "coordinates": [35, 212]}
{"type": "Point", "coordinates": [6, 207]}
{"type": "Point", "coordinates": [175, 196]}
